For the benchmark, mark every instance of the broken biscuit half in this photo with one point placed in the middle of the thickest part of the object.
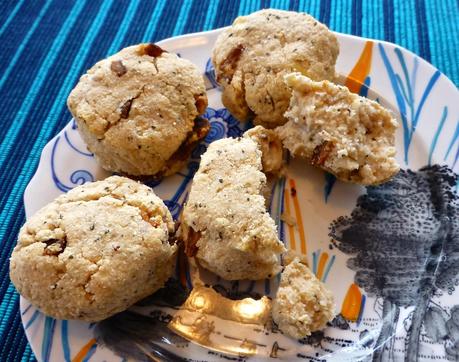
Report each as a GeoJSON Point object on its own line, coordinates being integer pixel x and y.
{"type": "Point", "coordinates": [224, 223]}
{"type": "Point", "coordinates": [340, 132]}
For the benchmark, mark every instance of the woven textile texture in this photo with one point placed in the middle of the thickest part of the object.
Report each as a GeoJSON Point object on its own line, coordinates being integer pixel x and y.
{"type": "Point", "coordinates": [45, 45]}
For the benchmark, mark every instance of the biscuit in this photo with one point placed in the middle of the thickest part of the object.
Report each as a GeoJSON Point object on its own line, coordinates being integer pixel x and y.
{"type": "Point", "coordinates": [94, 251]}
{"type": "Point", "coordinates": [271, 149]}
{"type": "Point", "coordinates": [224, 223]}
{"type": "Point", "coordinates": [302, 303]}
{"type": "Point", "coordinates": [252, 56]}
{"type": "Point", "coordinates": [349, 136]}
{"type": "Point", "coordinates": [138, 111]}
{"type": "Point", "coordinates": [272, 157]}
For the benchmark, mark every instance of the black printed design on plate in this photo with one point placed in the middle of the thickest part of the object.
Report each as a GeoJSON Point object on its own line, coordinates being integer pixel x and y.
{"type": "Point", "coordinates": [403, 238]}
{"type": "Point", "coordinates": [442, 326]}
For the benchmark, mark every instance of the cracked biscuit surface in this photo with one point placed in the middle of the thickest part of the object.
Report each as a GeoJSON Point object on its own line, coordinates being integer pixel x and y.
{"type": "Point", "coordinates": [302, 303]}
{"type": "Point", "coordinates": [349, 136]}
{"type": "Point", "coordinates": [252, 56]}
{"type": "Point", "coordinates": [94, 251]}
{"type": "Point", "coordinates": [225, 223]}
{"type": "Point", "coordinates": [138, 110]}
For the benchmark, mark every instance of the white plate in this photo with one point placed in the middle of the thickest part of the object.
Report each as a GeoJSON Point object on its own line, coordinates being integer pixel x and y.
{"type": "Point", "coordinates": [393, 255]}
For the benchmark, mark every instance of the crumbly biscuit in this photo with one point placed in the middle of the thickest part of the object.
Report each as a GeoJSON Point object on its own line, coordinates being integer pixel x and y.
{"type": "Point", "coordinates": [272, 155]}
{"type": "Point", "coordinates": [302, 303]}
{"type": "Point", "coordinates": [252, 56]}
{"type": "Point", "coordinates": [138, 110]}
{"type": "Point", "coordinates": [94, 251]}
{"type": "Point", "coordinates": [224, 222]}
{"type": "Point", "coordinates": [349, 136]}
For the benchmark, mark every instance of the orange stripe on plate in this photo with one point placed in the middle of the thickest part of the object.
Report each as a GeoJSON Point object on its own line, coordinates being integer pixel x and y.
{"type": "Point", "coordinates": [356, 77]}
{"type": "Point", "coordinates": [321, 267]}
{"type": "Point", "coordinates": [84, 351]}
{"type": "Point", "coordinates": [352, 303]}
{"type": "Point", "coordinates": [299, 219]}
{"type": "Point", "coordinates": [291, 231]}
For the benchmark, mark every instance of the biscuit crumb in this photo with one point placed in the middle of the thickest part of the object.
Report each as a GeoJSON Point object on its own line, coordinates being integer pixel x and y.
{"type": "Point", "coordinates": [288, 219]}
{"type": "Point", "coordinates": [302, 303]}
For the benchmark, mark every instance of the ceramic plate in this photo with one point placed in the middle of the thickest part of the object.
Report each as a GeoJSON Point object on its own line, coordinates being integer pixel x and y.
{"type": "Point", "coordinates": [390, 254]}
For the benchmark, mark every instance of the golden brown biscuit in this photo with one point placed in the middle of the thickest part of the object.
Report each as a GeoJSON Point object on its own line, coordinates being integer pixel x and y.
{"type": "Point", "coordinates": [94, 251]}
{"type": "Point", "coordinates": [252, 56]}
{"type": "Point", "coordinates": [349, 136]}
{"type": "Point", "coordinates": [224, 222]}
{"type": "Point", "coordinates": [138, 110]}
{"type": "Point", "coordinates": [302, 303]}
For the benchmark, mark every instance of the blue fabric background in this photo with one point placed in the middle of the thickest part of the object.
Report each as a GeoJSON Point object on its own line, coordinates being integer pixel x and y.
{"type": "Point", "coordinates": [45, 45]}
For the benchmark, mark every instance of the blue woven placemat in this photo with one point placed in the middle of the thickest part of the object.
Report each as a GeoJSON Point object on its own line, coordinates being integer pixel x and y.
{"type": "Point", "coordinates": [46, 44]}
